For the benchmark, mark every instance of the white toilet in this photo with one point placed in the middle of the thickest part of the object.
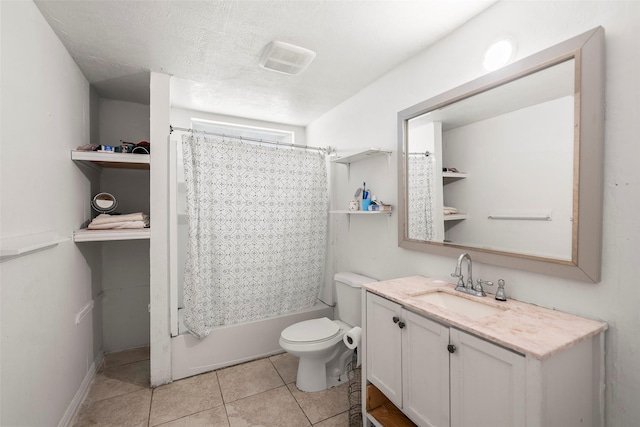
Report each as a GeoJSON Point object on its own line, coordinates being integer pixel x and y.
{"type": "Point", "coordinates": [318, 342]}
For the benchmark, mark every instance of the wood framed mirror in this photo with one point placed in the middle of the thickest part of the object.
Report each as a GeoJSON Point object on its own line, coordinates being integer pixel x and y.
{"type": "Point", "coordinates": [509, 167]}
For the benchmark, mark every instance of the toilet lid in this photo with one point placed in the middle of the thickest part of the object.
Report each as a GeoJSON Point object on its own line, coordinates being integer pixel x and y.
{"type": "Point", "coordinates": [311, 330]}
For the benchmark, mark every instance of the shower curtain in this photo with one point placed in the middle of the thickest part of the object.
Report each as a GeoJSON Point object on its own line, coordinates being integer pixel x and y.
{"type": "Point", "coordinates": [420, 189]}
{"type": "Point", "coordinates": [257, 231]}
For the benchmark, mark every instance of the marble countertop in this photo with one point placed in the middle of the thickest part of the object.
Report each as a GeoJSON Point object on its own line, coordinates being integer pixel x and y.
{"type": "Point", "coordinates": [526, 328]}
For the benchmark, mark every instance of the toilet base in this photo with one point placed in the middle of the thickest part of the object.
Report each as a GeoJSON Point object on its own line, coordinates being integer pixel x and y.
{"type": "Point", "coordinates": [311, 375]}
{"type": "Point", "coordinates": [318, 374]}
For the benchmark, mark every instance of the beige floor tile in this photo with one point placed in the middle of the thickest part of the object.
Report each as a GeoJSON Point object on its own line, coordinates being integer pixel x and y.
{"type": "Point", "coordinates": [216, 417]}
{"type": "Point", "coordinates": [248, 379]}
{"type": "Point", "coordinates": [273, 408]}
{"type": "Point", "coordinates": [132, 373]}
{"type": "Point", "coordinates": [254, 392]}
{"type": "Point", "coordinates": [287, 366]}
{"type": "Point", "coordinates": [321, 405]}
{"type": "Point", "coordinates": [340, 420]}
{"type": "Point", "coordinates": [104, 387]}
{"type": "Point", "coordinates": [127, 356]}
{"type": "Point", "coordinates": [130, 410]}
{"type": "Point", "coordinates": [185, 397]}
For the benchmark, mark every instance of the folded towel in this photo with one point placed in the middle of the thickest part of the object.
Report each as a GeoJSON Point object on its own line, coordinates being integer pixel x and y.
{"type": "Point", "coordinates": [118, 225]}
{"type": "Point", "coordinates": [108, 219]}
{"type": "Point", "coordinates": [449, 210]}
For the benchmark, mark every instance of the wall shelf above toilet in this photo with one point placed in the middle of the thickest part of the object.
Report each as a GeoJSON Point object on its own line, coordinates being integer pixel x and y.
{"type": "Point", "coordinates": [348, 212]}
{"type": "Point", "coordinates": [361, 155]}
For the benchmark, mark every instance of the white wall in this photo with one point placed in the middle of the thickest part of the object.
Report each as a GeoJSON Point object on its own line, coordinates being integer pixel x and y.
{"type": "Point", "coordinates": [125, 265]}
{"type": "Point", "coordinates": [123, 121]}
{"type": "Point", "coordinates": [45, 113]}
{"type": "Point", "coordinates": [369, 119]}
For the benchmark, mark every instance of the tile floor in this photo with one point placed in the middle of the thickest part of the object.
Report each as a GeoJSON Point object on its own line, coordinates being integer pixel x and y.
{"type": "Point", "coordinates": [258, 393]}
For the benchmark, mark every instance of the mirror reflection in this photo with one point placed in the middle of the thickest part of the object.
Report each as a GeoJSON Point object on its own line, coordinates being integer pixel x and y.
{"type": "Point", "coordinates": [495, 170]}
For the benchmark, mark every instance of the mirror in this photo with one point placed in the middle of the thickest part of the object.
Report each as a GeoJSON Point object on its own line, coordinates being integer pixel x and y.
{"type": "Point", "coordinates": [509, 167]}
{"type": "Point", "coordinates": [104, 203]}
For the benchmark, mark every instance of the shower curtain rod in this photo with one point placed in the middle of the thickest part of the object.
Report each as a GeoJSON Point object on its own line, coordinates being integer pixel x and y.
{"type": "Point", "coordinates": [326, 150]}
{"type": "Point", "coordinates": [420, 153]}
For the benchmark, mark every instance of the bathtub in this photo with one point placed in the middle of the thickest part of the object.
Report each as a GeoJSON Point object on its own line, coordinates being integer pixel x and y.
{"type": "Point", "coordinates": [233, 344]}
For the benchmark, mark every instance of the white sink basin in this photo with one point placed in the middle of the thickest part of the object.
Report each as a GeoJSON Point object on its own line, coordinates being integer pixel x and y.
{"type": "Point", "coordinates": [473, 310]}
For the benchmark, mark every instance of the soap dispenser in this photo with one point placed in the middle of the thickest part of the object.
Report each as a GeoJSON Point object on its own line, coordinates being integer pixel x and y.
{"type": "Point", "coordinates": [501, 295]}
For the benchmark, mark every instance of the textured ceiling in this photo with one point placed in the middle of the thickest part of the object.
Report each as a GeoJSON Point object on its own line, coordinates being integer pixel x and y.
{"type": "Point", "coordinates": [212, 48]}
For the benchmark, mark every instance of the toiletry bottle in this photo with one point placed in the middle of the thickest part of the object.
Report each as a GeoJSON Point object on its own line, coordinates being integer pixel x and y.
{"type": "Point", "coordinates": [366, 202]}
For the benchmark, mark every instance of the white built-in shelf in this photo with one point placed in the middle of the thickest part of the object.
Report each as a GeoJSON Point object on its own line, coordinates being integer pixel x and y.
{"type": "Point", "coordinates": [455, 217]}
{"type": "Point", "coordinates": [348, 212]}
{"type": "Point", "coordinates": [361, 155]}
{"type": "Point", "coordinates": [113, 160]}
{"type": "Point", "coordinates": [456, 175]}
{"type": "Point", "coordinates": [86, 235]}
{"type": "Point", "coordinates": [13, 247]}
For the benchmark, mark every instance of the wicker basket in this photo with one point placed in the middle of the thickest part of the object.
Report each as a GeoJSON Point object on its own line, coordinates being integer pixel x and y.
{"type": "Point", "coordinates": [355, 393]}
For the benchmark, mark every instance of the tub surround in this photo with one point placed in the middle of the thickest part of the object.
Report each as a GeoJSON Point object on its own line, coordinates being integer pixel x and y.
{"type": "Point", "coordinates": [528, 329]}
{"type": "Point", "coordinates": [242, 342]}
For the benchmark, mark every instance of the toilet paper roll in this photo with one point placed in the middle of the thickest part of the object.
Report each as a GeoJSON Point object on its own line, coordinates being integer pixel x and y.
{"type": "Point", "coordinates": [352, 337]}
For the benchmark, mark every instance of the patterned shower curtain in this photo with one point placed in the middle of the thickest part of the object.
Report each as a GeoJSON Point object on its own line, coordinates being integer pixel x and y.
{"type": "Point", "coordinates": [420, 189]}
{"type": "Point", "coordinates": [257, 231]}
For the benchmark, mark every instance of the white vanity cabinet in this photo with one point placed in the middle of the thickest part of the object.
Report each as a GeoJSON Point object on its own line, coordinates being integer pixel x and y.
{"type": "Point", "coordinates": [487, 383]}
{"type": "Point", "coordinates": [425, 376]}
{"type": "Point", "coordinates": [441, 376]}
{"type": "Point", "coordinates": [384, 344]}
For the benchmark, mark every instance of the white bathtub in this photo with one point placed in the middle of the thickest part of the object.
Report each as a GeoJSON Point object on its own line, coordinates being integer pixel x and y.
{"type": "Point", "coordinates": [233, 344]}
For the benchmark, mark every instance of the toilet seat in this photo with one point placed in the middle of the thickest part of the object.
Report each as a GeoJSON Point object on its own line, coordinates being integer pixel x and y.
{"type": "Point", "coordinates": [311, 331]}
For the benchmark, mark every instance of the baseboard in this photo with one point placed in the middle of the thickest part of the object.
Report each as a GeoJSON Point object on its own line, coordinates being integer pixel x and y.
{"type": "Point", "coordinates": [82, 392]}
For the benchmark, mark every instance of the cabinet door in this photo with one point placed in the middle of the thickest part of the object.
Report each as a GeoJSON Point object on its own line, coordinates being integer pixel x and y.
{"type": "Point", "coordinates": [384, 347]}
{"type": "Point", "coordinates": [487, 384]}
{"type": "Point", "coordinates": [425, 371]}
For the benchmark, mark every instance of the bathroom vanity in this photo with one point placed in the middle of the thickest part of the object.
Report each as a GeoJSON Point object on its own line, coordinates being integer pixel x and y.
{"type": "Point", "coordinates": [445, 358]}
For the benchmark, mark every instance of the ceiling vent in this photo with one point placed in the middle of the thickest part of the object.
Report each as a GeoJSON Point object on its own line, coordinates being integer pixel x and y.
{"type": "Point", "coordinates": [286, 58]}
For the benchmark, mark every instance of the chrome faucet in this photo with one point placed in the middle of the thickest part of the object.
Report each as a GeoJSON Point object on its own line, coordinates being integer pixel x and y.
{"type": "Point", "coordinates": [468, 287]}
{"type": "Point", "coordinates": [458, 272]}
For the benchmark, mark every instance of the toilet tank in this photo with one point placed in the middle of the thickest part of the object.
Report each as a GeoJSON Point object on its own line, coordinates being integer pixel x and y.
{"type": "Point", "coordinates": [348, 297]}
